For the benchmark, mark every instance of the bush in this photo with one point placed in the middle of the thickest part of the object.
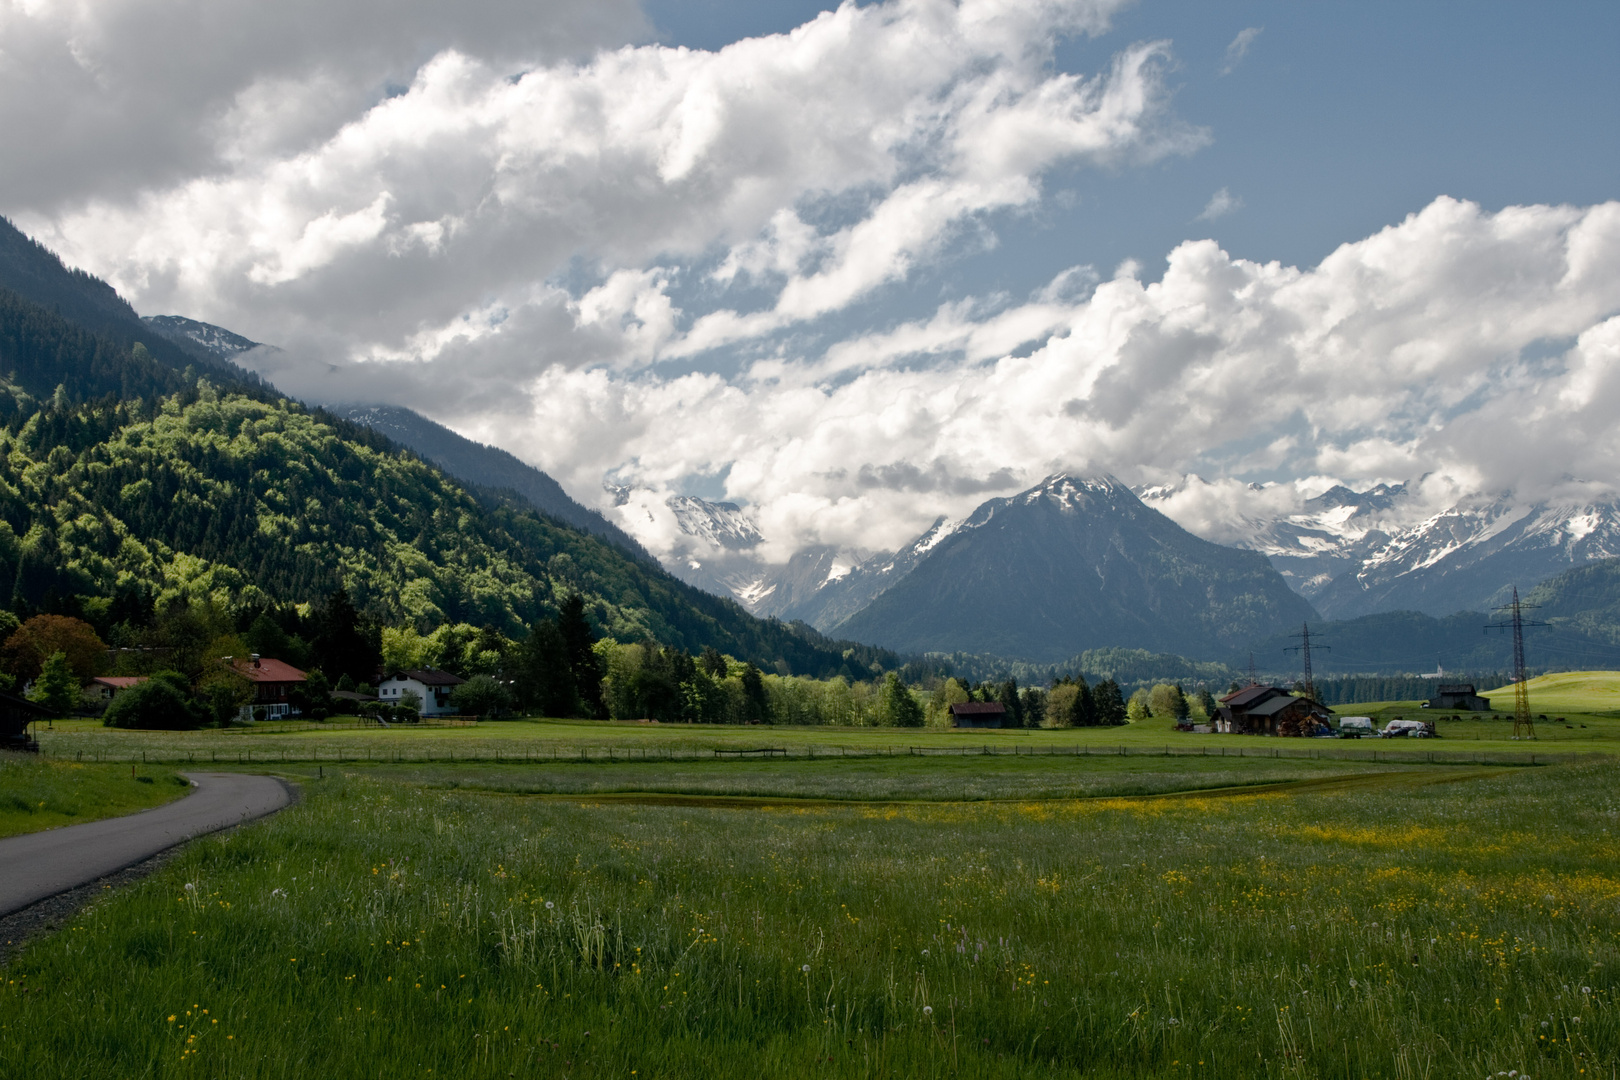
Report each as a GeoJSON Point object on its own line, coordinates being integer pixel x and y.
{"type": "Point", "coordinates": [481, 695]}
{"type": "Point", "coordinates": [161, 703]}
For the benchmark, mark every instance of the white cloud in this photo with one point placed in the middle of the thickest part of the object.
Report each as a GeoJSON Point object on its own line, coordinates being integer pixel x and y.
{"type": "Point", "coordinates": [1239, 48]}
{"type": "Point", "coordinates": [1220, 204]}
{"type": "Point", "coordinates": [1403, 355]}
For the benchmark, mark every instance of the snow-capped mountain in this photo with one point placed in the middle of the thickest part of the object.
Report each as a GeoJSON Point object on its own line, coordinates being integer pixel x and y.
{"type": "Point", "coordinates": [1355, 553]}
{"type": "Point", "coordinates": [219, 341]}
{"type": "Point", "coordinates": [1466, 558]}
{"type": "Point", "coordinates": [719, 551]}
{"type": "Point", "coordinates": [1330, 535]}
{"type": "Point", "coordinates": [1076, 562]}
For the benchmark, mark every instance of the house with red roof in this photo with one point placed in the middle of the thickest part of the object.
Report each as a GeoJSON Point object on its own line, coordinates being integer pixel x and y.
{"type": "Point", "coordinates": [273, 682]}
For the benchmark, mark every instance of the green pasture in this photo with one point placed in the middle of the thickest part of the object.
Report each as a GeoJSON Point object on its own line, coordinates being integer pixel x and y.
{"type": "Point", "coordinates": [40, 794]}
{"type": "Point", "coordinates": [1364, 922]}
{"type": "Point", "coordinates": [540, 740]}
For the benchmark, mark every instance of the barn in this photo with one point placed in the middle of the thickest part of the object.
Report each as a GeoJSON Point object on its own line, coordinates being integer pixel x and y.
{"type": "Point", "coordinates": [1458, 696]}
{"type": "Point", "coordinates": [979, 714]}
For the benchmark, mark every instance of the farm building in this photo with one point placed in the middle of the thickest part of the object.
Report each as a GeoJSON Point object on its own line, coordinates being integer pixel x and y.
{"type": "Point", "coordinates": [979, 714]}
{"type": "Point", "coordinates": [1460, 696]}
{"type": "Point", "coordinates": [103, 687]}
{"type": "Point", "coordinates": [1269, 710]}
{"type": "Point", "coordinates": [16, 714]}
{"type": "Point", "coordinates": [272, 682]}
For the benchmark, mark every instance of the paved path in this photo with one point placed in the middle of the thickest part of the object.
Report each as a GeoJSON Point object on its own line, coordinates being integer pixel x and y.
{"type": "Point", "coordinates": [39, 865]}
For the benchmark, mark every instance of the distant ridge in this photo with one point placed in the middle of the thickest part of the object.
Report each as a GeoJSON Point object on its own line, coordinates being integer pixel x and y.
{"type": "Point", "coordinates": [34, 273]}
{"type": "Point", "coordinates": [1073, 564]}
{"type": "Point", "coordinates": [485, 466]}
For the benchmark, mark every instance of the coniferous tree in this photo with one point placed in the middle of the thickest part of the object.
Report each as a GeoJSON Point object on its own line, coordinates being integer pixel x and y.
{"type": "Point", "coordinates": [1007, 695]}
{"type": "Point", "coordinates": [344, 642]}
{"type": "Point", "coordinates": [1083, 713]}
{"type": "Point", "coordinates": [758, 706]}
{"type": "Point", "coordinates": [578, 637]}
{"type": "Point", "coordinates": [1110, 703]}
{"type": "Point", "coordinates": [545, 679]}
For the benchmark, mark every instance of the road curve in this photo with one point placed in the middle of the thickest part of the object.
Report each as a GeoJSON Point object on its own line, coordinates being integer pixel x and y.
{"type": "Point", "coordinates": [35, 866]}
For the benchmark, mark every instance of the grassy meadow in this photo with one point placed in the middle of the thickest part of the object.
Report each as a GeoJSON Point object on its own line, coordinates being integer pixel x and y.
{"type": "Point", "coordinates": [1368, 922]}
{"type": "Point", "coordinates": [38, 794]}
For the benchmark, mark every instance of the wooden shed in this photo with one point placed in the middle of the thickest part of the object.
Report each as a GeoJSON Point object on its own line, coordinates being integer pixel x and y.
{"type": "Point", "coordinates": [979, 714]}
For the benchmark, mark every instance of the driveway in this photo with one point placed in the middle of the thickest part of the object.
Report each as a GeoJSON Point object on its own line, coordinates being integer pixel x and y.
{"type": "Point", "coordinates": [40, 865]}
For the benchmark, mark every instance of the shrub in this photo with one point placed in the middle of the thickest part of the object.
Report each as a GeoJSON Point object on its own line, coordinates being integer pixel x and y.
{"type": "Point", "coordinates": [481, 695]}
{"type": "Point", "coordinates": [162, 703]}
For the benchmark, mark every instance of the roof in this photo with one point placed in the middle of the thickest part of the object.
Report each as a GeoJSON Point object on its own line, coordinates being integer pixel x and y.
{"type": "Point", "coordinates": [977, 708]}
{"type": "Point", "coordinates": [262, 669]}
{"type": "Point", "coordinates": [427, 677]}
{"type": "Point", "coordinates": [119, 682]}
{"type": "Point", "coordinates": [1454, 688]}
{"type": "Point", "coordinates": [1246, 697]}
{"type": "Point", "coordinates": [350, 695]}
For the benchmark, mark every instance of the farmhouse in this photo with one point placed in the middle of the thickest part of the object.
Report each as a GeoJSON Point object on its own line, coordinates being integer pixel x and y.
{"type": "Point", "coordinates": [1269, 710]}
{"type": "Point", "coordinates": [273, 682]}
{"type": "Point", "coordinates": [431, 686]}
{"type": "Point", "coordinates": [104, 687]}
{"type": "Point", "coordinates": [979, 714]}
{"type": "Point", "coordinates": [1458, 696]}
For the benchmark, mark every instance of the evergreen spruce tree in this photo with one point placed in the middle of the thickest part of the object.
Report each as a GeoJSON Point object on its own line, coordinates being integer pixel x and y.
{"type": "Point", "coordinates": [1083, 713]}
{"type": "Point", "coordinates": [578, 637]}
{"type": "Point", "coordinates": [1110, 703]}
{"type": "Point", "coordinates": [544, 676]}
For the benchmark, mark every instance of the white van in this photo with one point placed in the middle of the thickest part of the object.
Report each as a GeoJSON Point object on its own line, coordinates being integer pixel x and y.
{"type": "Point", "coordinates": [1354, 727]}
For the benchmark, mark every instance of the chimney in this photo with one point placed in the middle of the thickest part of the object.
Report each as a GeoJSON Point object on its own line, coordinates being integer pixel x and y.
{"type": "Point", "coordinates": [255, 659]}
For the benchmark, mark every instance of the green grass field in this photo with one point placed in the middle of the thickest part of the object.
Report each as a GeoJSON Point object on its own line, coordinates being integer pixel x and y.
{"type": "Point", "coordinates": [1367, 922]}
{"type": "Point", "coordinates": [40, 794]}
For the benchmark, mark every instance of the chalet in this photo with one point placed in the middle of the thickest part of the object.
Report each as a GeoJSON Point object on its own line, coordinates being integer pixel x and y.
{"type": "Point", "coordinates": [105, 687]}
{"type": "Point", "coordinates": [979, 714]}
{"type": "Point", "coordinates": [431, 686]}
{"type": "Point", "coordinates": [273, 682]}
{"type": "Point", "coordinates": [1459, 696]}
{"type": "Point", "coordinates": [1269, 710]}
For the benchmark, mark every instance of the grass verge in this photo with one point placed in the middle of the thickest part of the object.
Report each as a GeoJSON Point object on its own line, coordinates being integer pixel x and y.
{"type": "Point", "coordinates": [40, 794]}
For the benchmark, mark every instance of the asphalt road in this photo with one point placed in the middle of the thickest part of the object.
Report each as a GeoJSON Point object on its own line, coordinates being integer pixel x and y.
{"type": "Point", "coordinates": [40, 865]}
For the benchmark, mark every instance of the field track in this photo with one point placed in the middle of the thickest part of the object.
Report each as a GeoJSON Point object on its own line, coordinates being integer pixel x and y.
{"type": "Point", "coordinates": [1408, 778]}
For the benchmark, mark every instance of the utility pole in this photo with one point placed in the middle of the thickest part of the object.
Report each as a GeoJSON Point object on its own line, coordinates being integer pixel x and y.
{"type": "Point", "coordinates": [1523, 727]}
{"type": "Point", "coordinates": [1304, 649]}
{"type": "Point", "coordinates": [1252, 680]}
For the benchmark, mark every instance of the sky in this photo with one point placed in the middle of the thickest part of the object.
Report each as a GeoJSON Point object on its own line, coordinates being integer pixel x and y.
{"type": "Point", "coordinates": [857, 268]}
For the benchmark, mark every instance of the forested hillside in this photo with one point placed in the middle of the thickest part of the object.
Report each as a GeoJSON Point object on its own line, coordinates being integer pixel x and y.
{"type": "Point", "coordinates": [128, 483]}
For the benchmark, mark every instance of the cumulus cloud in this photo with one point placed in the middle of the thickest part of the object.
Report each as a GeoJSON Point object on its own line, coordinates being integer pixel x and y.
{"type": "Point", "coordinates": [1419, 353]}
{"type": "Point", "coordinates": [1239, 48]}
{"type": "Point", "coordinates": [120, 95]}
{"type": "Point", "coordinates": [892, 126]}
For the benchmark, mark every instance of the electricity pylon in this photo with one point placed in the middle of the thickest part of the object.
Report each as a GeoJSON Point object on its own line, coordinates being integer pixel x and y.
{"type": "Point", "coordinates": [1304, 649]}
{"type": "Point", "coordinates": [1523, 728]}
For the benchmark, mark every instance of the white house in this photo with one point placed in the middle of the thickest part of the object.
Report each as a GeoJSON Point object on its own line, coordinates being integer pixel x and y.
{"type": "Point", "coordinates": [431, 686]}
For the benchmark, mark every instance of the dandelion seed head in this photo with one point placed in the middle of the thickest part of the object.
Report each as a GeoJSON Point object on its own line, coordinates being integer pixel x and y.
{"type": "Point", "coordinates": [928, 1010]}
{"type": "Point", "coordinates": [805, 969]}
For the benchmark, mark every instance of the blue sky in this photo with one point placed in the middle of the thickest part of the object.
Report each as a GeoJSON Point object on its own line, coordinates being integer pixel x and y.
{"type": "Point", "coordinates": [1340, 119]}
